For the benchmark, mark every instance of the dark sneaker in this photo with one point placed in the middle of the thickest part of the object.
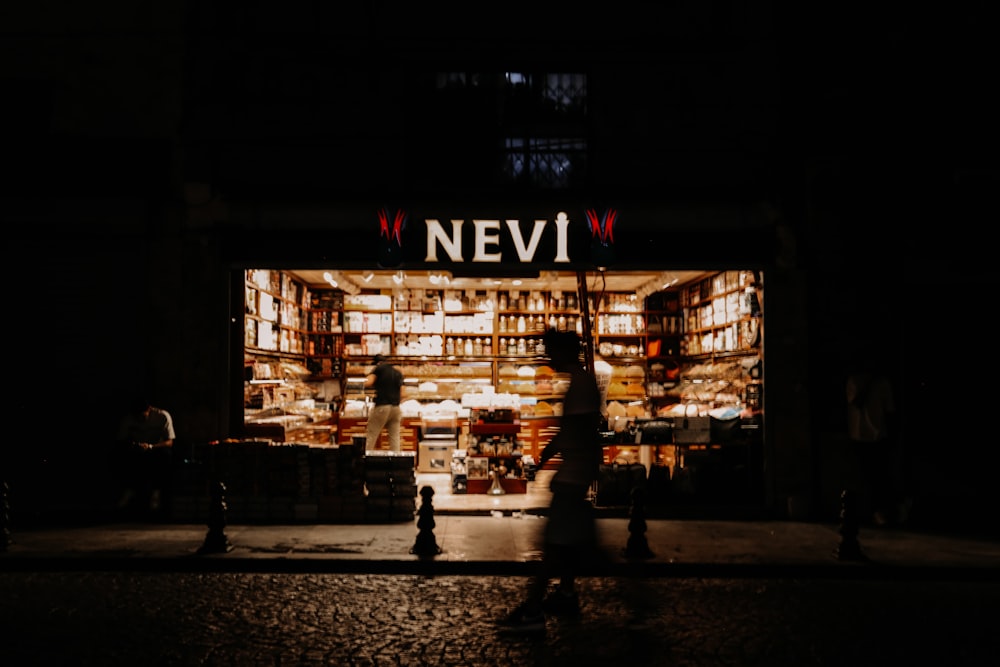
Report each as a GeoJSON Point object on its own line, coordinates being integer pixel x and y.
{"type": "Point", "coordinates": [524, 619]}
{"type": "Point", "coordinates": [561, 604]}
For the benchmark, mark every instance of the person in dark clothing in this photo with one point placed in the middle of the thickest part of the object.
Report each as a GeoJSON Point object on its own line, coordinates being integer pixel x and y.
{"type": "Point", "coordinates": [387, 381]}
{"type": "Point", "coordinates": [570, 534]}
{"type": "Point", "coordinates": [143, 455]}
{"type": "Point", "coordinates": [872, 429]}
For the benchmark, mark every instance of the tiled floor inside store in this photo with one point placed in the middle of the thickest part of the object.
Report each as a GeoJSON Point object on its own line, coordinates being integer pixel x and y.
{"type": "Point", "coordinates": [444, 499]}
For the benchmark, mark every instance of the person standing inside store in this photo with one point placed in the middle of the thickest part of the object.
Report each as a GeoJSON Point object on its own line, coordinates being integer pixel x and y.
{"type": "Point", "coordinates": [143, 456]}
{"type": "Point", "coordinates": [387, 381]}
{"type": "Point", "coordinates": [570, 534]}
{"type": "Point", "coordinates": [875, 444]}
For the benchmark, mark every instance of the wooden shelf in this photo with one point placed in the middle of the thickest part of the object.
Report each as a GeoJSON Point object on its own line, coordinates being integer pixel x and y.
{"type": "Point", "coordinates": [710, 319]}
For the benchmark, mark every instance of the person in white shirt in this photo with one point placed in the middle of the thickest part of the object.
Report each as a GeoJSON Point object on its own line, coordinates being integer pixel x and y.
{"type": "Point", "coordinates": [143, 456]}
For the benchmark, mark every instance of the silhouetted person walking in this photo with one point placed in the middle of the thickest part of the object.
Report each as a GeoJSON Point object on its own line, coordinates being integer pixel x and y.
{"type": "Point", "coordinates": [570, 534]}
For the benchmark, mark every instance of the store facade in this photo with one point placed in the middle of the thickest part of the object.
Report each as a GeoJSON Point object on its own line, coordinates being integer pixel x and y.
{"type": "Point", "coordinates": [669, 299]}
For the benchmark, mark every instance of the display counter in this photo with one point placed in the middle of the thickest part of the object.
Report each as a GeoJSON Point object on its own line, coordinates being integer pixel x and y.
{"type": "Point", "coordinates": [296, 421]}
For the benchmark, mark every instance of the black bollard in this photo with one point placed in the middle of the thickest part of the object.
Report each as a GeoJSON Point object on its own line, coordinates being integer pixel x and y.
{"type": "Point", "coordinates": [849, 547]}
{"type": "Point", "coordinates": [637, 546]}
{"type": "Point", "coordinates": [216, 541]}
{"type": "Point", "coordinates": [426, 544]}
{"type": "Point", "coordinates": [5, 536]}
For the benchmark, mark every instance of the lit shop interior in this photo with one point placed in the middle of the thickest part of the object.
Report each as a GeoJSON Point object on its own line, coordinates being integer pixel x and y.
{"type": "Point", "coordinates": [678, 355]}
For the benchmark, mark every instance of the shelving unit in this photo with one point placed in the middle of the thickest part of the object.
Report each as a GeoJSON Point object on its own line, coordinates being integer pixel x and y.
{"type": "Point", "coordinates": [721, 315]}
{"type": "Point", "coordinates": [274, 306]}
{"type": "Point", "coordinates": [449, 343]}
{"type": "Point", "coordinates": [425, 378]}
{"type": "Point", "coordinates": [495, 450]}
{"type": "Point", "coordinates": [276, 340]}
{"type": "Point", "coordinates": [325, 335]}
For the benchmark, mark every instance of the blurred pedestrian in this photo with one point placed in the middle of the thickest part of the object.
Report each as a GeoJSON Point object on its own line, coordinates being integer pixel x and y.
{"type": "Point", "coordinates": [143, 456]}
{"type": "Point", "coordinates": [570, 534]}
{"type": "Point", "coordinates": [387, 381]}
{"type": "Point", "coordinates": [876, 450]}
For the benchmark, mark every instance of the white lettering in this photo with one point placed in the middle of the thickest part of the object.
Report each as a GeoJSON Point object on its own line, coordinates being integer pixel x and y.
{"type": "Point", "coordinates": [482, 239]}
{"type": "Point", "coordinates": [487, 241]}
{"type": "Point", "coordinates": [436, 234]}
{"type": "Point", "coordinates": [523, 253]}
{"type": "Point", "coordinates": [562, 222]}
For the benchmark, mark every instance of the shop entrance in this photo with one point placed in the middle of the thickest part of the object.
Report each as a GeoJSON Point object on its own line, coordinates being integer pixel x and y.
{"type": "Point", "coordinates": [678, 353]}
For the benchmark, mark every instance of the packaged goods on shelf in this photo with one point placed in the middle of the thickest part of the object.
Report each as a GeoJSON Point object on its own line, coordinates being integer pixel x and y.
{"type": "Point", "coordinates": [367, 302]}
{"type": "Point", "coordinates": [487, 401]}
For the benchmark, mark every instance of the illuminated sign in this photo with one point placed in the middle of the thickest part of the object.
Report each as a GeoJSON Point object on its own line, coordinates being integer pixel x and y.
{"type": "Point", "coordinates": [487, 240]}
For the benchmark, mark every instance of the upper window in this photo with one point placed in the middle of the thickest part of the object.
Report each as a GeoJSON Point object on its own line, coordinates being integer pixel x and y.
{"type": "Point", "coordinates": [538, 98]}
{"type": "Point", "coordinates": [536, 122]}
{"type": "Point", "coordinates": [545, 162]}
{"type": "Point", "coordinates": [543, 121]}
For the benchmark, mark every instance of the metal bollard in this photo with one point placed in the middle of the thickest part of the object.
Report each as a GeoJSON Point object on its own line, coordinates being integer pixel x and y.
{"type": "Point", "coordinates": [638, 545]}
{"type": "Point", "coordinates": [849, 547]}
{"type": "Point", "coordinates": [426, 544]}
{"type": "Point", "coordinates": [5, 536]}
{"type": "Point", "coordinates": [216, 541]}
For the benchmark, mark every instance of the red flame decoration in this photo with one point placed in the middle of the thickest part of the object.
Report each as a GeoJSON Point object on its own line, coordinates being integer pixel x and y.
{"type": "Point", "coordinates": [398, 223]}
{"type": "Point", "coordinates": [602, 228]}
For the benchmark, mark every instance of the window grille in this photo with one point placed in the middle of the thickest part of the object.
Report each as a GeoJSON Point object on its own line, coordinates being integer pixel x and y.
{"type": "Point", "coordinates": [542, 123]}
{"type": "Point", "coordinates": [541, 162]}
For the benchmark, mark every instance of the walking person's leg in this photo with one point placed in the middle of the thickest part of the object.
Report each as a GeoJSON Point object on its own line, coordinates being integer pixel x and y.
{"type": "Point", "coordinates": [529, 616]}
{"type": "Point", "coordinates": [573, 541]}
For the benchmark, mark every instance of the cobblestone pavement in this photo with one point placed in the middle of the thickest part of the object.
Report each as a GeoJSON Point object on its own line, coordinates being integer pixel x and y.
{"type": "Point", "coordinates": [137, 618]}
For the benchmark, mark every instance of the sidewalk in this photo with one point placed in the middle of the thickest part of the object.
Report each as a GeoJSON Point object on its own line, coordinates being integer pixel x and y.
{"type": "Point", "coordinates": [505, 543]}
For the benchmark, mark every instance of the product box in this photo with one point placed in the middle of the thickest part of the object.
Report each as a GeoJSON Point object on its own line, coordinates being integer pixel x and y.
{"type": "Point", "coordinates": [478, 467]}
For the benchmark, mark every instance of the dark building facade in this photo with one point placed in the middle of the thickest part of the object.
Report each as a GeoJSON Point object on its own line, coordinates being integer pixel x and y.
{"type": "Point", "coordinates": [157, 150]}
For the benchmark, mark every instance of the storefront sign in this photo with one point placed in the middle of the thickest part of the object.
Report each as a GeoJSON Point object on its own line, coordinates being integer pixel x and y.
{"type": "Point", "coordinates": [489, 236]}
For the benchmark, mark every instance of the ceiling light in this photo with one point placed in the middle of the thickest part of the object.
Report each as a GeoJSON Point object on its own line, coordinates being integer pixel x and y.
{"type": "Point", "coordinates": [398, 277]}
{"type": "Point", "coordinates": [368, 277]}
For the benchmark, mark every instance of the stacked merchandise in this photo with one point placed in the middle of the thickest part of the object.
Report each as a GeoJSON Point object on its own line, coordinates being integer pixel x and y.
{"type": "Point", "coordinates": [617, 480]}
{"type": "Point", "coordinates": [239, 466]}
{"type": "Point", "coordinates": [189, 489]}
{"type": "Point", "coordinates": [283, 475]}
{"type": "Point", "coordinates": [391, 481]}
{"type": "Point", "coordinates": [267, 482]}
{"type": "Point", "coordinates": [342, 477]}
